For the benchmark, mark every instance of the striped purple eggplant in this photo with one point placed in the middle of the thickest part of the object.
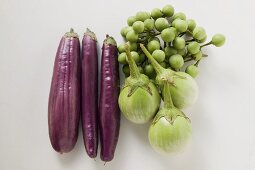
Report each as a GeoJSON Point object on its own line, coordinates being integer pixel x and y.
{"type": "Point", "coordinates": [90, 93]}
{"type": "Point", "coordinates": [64, 98]}
{"type": "Point", "coordinates": [109, 113]}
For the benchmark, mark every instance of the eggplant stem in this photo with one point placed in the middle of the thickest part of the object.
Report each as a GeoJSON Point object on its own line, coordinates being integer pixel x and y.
{"type": "Point", "coordinates": [196, 64]}
{"type": "Point", "coordinates": [187, 41]}
{"type": "Point", "coordinates": [91, 34]}
{"type": "Point", "coordinates": [110, 40]}
{"type": "Point", "coordinates": [209, 43]}
{"type": "Point", "coordinates": [159, 69]}
{"type": "Point", "coordinates": [165, 44]}
{"type": "Point", "coordinates": [71, 34]}
{"type": "Point", "coordinates": [181, 34]}
{"type": "Point", "coordinates": [134, 71]}
{"type": "Point", "coordinates": [168, 103]}
{"type": "Point", "coordinates": [188, 59]}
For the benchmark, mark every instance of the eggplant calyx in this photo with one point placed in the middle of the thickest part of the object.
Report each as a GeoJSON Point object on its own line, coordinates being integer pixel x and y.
{"type": "Point", "coordinates": [168, 76]}
{"type": "Point", "coordinates": [170, 115]}
{"type": "Point", "coordinates": [134, 83]}
{"type": "Point", "coordinates": [135, 87]}
{"type": "Point", "coordinates": [91, 34]}
{"type": "Point", "coordinates": [110, 40]}
{"type": "Point", "coordinates": [71, 34]}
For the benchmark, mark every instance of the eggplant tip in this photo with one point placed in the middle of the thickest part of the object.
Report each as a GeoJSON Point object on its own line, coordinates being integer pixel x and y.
{"type": "Point", "coordinates": [71, 34]}
{"type": "Point", "coordinates": [91, 34]}
{"type": "Point", "coordinates": [110, 40]}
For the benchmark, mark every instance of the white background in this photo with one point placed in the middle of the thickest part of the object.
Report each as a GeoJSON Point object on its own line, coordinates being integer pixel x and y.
{"type": "Point", "coordinates": [223, 118]}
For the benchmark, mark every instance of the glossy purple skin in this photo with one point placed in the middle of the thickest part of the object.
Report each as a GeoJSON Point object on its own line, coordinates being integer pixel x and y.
{"type": "Point", "coordinates": [90, 94]}
{"type": "Point", "coordinates": [64, 98]}
{"type": "Point", "coordinates": [109, 113]}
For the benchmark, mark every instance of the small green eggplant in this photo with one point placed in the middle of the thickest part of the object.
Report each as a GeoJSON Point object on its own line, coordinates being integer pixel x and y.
{"type": "Point", "coordinates": [139, 99]}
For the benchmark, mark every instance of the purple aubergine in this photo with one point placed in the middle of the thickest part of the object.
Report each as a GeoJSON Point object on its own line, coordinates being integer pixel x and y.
{"type": "Point", "coordinates": [64, 98]}
{"type": "Point", "coordinates": [89, 93]}
{"type": "Point", "coordinates": [109, 113]}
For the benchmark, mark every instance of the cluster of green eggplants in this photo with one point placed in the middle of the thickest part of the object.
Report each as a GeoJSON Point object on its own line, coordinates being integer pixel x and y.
{"type": "Point", "coordinates": [157, 46]}
{"type": "Point", "coordinates": [170, 37]}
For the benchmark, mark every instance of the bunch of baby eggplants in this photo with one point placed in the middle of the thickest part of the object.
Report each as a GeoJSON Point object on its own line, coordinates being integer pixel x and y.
{"type": "Point", "coordinates": [160, 60]}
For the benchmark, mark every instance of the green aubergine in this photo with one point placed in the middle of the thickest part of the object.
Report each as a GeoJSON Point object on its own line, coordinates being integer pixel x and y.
{"type": "Point", "coordinates": [170, 130]}
{"type": "Point", "coordinates": [139, 99]}
{"type": "Point", "coordinates": [184, 89]}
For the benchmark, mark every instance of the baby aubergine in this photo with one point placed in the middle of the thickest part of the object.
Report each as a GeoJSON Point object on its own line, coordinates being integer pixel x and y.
{"type": "Point", "coordinates": [170, 129]}
{"type": "Point", "coordinates": [139, 99]}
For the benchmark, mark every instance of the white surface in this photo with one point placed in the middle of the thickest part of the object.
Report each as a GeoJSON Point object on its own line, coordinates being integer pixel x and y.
{"type": "Point", "coordinates": [223, 117]}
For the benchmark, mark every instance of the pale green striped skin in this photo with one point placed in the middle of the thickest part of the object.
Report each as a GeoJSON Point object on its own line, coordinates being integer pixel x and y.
{"type": "Point", "coordinates": [141, 106]}
{"type": "Point", "coordinates": [170, 131]}
{"type": "Point", "coordinates": [185, 91]}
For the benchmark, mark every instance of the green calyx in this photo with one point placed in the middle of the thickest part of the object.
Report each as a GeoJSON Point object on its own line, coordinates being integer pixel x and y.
{"type": "Point", "coordinates": [110, 40]}
{"type": "Point", "coordinates": [163, 75]}
{"type": "Point", "coordinates": [167, 75]}
{"type": "Point", "coordinates": [91, 34]}
{"type": "Point", "coordinates": [168, 111]}
{"type": "Point", "coordinates": [135, 83]}
{"type": "Point", "coordinates": [136, 79]}
{"type": "Point", "coordinates": [71, 34]}
{"type": "Point", "coordinates": [169, 114]}
{"type": "Point", "coordinates": [170, 131]}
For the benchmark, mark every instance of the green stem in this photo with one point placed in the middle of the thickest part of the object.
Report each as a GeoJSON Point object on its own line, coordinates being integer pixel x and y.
{"type": "Point", "coordinates": [196, 64]}
{"type": "Point", "coordinates": [209, 43]}
{"type": "Point", "coordinates": [188, 59]}
{"type": "Point", "coordinates": [181, 34]}
{"type": "Point", "coordinates": [188, 55]}
{"type": "Point", "coordinates": [154, 33]}
{"type": "Point", "coordinates": [190, 40]}
{"type": "Point", "coordinates": [188, 31]}
{"type": "Point", "coordinates": [110, 40]}
{"type": "Point", "coordinates": [91, 34]}
{"type": "Point", "coordinates": [168, 103]}
{"type": "Point", "coordinates": [71, 34]}
{"type": "Point", "coordinates": [134, 71]}
{"type": "Point", "coordinates": [159, 69]}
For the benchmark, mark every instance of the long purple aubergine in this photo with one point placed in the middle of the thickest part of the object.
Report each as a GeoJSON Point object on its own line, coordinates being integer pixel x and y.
{"type": "Point", "coordinates": [64, 98]}
{"type": "Point", "coordinates": [89, 93]}
{"type": "Point", "coordinates": [109, 113]}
